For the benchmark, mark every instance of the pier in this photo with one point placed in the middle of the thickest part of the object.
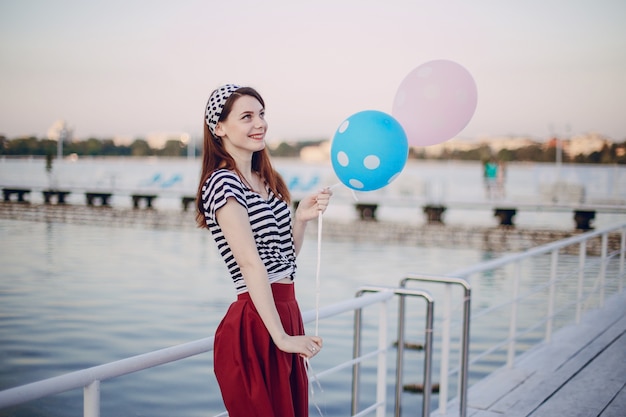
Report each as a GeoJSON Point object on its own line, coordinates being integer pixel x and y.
{"type": "Point", "coordinates": [581, 371]}
{"type": "Point", "coordinates": [496, 239]}
{"type": "Point", "coordinates": [504, 211]}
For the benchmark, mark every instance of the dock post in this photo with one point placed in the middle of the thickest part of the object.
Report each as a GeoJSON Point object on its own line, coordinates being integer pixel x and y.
{"type": "Point", "coordinates": [583, 219]}
{"type": "Point", "coordinates": [186, 200]}
{"type": "Point", "coordinates": [505, 215]}
{"type": "Point", "coordinates": [367, 211]}
{"type": "Point", "coordinates": [434, 213]}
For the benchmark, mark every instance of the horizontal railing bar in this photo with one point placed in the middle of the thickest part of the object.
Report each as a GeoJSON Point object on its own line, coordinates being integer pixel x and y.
{"type": "Point", "coordinates": [347, 305]}
{"type": "Point", "coordinates": [351, 362]}
{"type": "Point", "coordinates": [539, 250]}
{"type": "Point", "coordinates": [83, 377]}
{"type": "Point", "coordinates": [442, 279]}
{"type": "Point", "coordinates": [536, 289]}
{"type": "Point", "coordinates": [532, 291]}
{"type": "Point", "coordinates": [369, 409]}
{"type": "Point", "coordinates": [397, 291]}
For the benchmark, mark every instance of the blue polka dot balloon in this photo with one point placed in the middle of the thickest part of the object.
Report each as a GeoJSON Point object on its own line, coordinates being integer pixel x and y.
{"type": "Point", "coordinates": [369, 150]}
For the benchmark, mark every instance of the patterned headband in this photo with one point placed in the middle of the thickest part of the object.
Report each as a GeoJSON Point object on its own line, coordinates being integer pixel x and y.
{"type": "Point", "coordinates": [216, 103]}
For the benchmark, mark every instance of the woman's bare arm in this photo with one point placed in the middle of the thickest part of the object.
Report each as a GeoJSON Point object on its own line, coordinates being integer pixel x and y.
{"type": "Point", "coordinates": [235, 224]}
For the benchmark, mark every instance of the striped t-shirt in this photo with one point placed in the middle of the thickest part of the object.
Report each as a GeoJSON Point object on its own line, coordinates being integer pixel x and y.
{"type": "Point", "coordinates": [270, 221]}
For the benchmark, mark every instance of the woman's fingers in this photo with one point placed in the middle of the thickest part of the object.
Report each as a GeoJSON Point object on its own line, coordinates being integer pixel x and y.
{"type": "Point", "coordinates": [317, 340]}
{"type": "Point", "coordinates": [313, 346]}
{"type": "Point", "coordinates": [323, 198]}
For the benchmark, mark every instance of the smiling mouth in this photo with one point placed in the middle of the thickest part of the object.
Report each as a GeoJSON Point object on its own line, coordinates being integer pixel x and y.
{"type": "Point", "coordinates": [258, 136]}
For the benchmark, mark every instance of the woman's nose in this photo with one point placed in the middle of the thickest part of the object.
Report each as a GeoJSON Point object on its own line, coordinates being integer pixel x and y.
{"type": "Point", "coordinates": [260, 123]}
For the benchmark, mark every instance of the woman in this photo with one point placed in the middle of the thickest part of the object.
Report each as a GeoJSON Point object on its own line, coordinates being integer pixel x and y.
{"type": "Point", "coordinates": [260, 345]}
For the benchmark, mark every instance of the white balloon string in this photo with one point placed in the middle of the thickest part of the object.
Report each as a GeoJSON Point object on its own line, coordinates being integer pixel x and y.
{"type": "Point", "coordinates": [313, 377]}
{"type": "Point", "coordinates": [317, 275]}
{"type": "Point", "coordinates": [354, 195]}
{"type": "Point", "coordinates": [309, 368]}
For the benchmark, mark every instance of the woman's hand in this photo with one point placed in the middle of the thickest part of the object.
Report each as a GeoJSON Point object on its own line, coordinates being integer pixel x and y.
{"type": "Point", "coordinates": [310, 207]}
{"type": "Point", "coordinates": [305, 346]}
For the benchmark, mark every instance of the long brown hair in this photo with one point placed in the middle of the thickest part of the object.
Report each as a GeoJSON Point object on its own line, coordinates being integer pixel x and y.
{"type": "Point", "coordinates": [215, 157]}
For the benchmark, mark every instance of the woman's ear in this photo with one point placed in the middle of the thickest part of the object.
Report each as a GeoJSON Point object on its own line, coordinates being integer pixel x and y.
{"type": "Point", "coordinates": [219, 129]}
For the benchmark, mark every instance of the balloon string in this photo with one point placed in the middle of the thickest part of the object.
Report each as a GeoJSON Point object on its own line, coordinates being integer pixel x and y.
{"type": "Point", "coordinates": [307, 362]}
{"type": "Point", "coordinates": [319, 262]}
{"type": "Point", "coordinates": [313, 376]}
{"type": "Point", "coordinates": [317, 275]}
{"type": "Point", "coordinates": [351, 190]}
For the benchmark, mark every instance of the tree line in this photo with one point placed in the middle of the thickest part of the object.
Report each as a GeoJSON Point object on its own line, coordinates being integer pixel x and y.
{"type": "Point", "coordinates": [611, 153]}
{"type": "Point", "coordinates": [32, 146]}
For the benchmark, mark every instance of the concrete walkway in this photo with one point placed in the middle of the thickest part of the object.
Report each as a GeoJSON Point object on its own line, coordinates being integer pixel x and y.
{"type": "Point", "coordinates": [580, 373]}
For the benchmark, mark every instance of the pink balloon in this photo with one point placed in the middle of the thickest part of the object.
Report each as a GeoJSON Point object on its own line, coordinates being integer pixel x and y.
{"type": "Point", "coordinates": [435, 102]}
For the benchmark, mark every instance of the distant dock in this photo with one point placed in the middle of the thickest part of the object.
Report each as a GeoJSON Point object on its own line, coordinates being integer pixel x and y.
{"type": "Point", "coordinates": [582, 212]}
{"type": "Point", "coordinates": [496, 239]}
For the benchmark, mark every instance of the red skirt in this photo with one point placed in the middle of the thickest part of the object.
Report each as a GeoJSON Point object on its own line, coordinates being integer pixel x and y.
{"type": "Point", "coordinates": [255, 377]}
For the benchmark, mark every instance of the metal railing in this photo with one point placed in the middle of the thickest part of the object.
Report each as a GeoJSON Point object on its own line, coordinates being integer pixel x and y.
{"type": "Point", "coordinates": [445, 336]}
{"type": "Point", "coordinates": [607, 270]}
{"type": "Point", "coordinates": [90, 379]}
{"type": "Point", "coordinates": [428, 348]}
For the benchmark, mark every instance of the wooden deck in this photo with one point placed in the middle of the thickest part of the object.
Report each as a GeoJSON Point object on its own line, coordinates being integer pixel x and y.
{"type": "Point", "coordinates": [581, 372]}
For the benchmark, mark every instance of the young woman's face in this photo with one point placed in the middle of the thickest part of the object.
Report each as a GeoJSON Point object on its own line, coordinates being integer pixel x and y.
{"type": "Point", "coordinates": [244, 128]}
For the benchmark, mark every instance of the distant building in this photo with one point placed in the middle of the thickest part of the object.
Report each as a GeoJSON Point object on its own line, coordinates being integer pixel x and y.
{"type": "Point", "coordinates": [577, 145]}
{"type": "Point", "coordinates": [449, 145]}
{"type": "Point", "coordinates": [586, 144]}
{"type": "Point", "coordinates": [508, 142]}
{"type": "Point", "coordinates": [319, 153]}
{"type": "Point", "coordinates": [60, 130]}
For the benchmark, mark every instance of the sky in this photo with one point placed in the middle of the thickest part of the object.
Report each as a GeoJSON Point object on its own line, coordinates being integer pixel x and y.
{"type": "Point", "coordinates": [136, 68]}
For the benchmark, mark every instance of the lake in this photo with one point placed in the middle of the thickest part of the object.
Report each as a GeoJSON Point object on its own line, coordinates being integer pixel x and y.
{"type": "Point", "coordinates": [74, 296]}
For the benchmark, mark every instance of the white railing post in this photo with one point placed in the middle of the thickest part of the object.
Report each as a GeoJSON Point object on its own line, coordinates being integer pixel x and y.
{"type": "Point", "coordinates": [510, 359]}
{"type": "Point", "coordinates": [445, 348]}
{"type": "Point", "coordinates": [381, 384]}
{"type": "Point", "coordinates": [582, 254]}
{"type": "Point", "coordinates": [603, 260]}
{"type": "Point", "coordinates": [91, 399]}
{"type": "Point", "coordinates": [552, 293]}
